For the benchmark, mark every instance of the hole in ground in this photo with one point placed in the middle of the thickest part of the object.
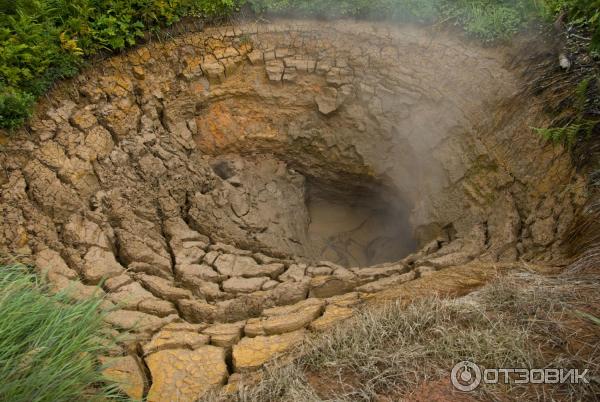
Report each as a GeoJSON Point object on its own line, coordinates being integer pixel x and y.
{"type": "Point", "coordinates": [357, 225]}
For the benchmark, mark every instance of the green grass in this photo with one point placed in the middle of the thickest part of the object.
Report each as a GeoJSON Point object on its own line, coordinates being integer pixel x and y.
{"type": "Point", "coordinates": [48, 345]}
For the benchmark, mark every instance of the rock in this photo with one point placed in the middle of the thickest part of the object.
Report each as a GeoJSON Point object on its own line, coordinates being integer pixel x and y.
{"type": "Point", "coordinates": [270, 270]}
{"type": "Point", "coordinates": [138, 72]}
{"type": "Point", "coordinates": [157, 307]}
{"type": "Point", "coordinates": [282, 52]}
{"type": "Point", "coordinates": [185, 327]}
{"type": "Point", "coordinates": [290, 74]}
{"type": "Point", "coordinates": [224, 264]}
{"type": "Point", "coordinates": [231, 64]}
{"type": "Point", "coordinates": [190, 273]}
{"type": "Point", "coordinates": [329, 264]}
{"type": "Point", "coordinates": [113, 284]}
{"type": "Point", "coordinates": [196, 311]}
{"type": "Point", "coordinates": [136, 321]}
{"type": "Point", "coordinates": [186, 375]}
{"type": "Point", "coordinates": [247, 267]}
{"type": "Point", "coordinates": [127, 372]}
{"type": "Point", "coordinates": [52, 195]}
{"type": "Point", "coordinates": [240, 308]}
{"type": "Point", "coordinates": [265, 259]}
{"type": "Point", "coordinates": [289, 293]}
{"type": "Point", "coordinates": [51, 265]}
{"type": "Point", "coordinates": [244, 285]}
{"type": "Point", "coordinates": [328, 286]}
{"type": "Point", "coordinates": [100, 264]}
{"type": "Point", "coordinates": [503, 228]}
{"type": "Point", "coordinates": [228, 249]}
{"type": "Point", "coordinates": [295, 272]}
{"type": "Point", "coordinates": [133, 249]}
{"type": "Point", "coordinates": [149, 269]}
{"type": "Point", "coordinates": [319, 271]}
{"type": "Point", "coordinates": [345, 300]}
{"type": "Point", "coordinates": [83, 119]}
{"type": "Point", "coordinates": [163, 288]}
{"type": "Point", "coordinates": [177, 229]}
{"type": "Point", "coordinates": [332, 316]}
{"type": "Point", "coordinates": [129, 296]}
{"type": "Point", "coordinates": [211, 257]}
{"type": "Point", "coordinates": [449, 260]}
{"type": "Point", "coordinates": [98, 144]}
{"type": "Point", "coordinates": [379, 272]}
{"type": "Point", "coordinates": [254, 328]}
{"type": "Point", "coordinates": [208, 290]}
{"type": "Point", "coordinates": [214, 70]}
{"type": "Point", "coordinates": [327, 100]}
{"type": "Point", "coordinates": [252, 353]}
{"type": "Point", "coordinates": [268, 285]}
{"type": "Point", "coordinates": [345, 275]}
{"type": "Point", "coordinates": [543, 230]}
{"type": "Point", "coordinates": [225, 335]}
{"type": "Point", "coordinates": [275, 69]}
{"type": "Point", "coordinates": [80, 231]}
{"type": "Point", "coordinates": [189, 252]}
{"type": "Point", "coordinates": [385, 283]}
{"type": "Point", "coordinates": [290, 309]}
{"type": "Point", "coordinates": [166, 339]}
{"type": "Point", "coordinates": [280, 320]}
{"type": "Point", "coordinates": [255, 57]}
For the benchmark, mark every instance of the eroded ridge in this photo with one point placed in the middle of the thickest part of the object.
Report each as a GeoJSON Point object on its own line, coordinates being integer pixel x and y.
{"type": "Point", "coordinates": [176, 177]}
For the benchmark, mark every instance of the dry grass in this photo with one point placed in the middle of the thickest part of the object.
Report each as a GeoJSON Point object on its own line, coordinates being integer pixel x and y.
{"type": "Point", "coordinates": [388, 354]}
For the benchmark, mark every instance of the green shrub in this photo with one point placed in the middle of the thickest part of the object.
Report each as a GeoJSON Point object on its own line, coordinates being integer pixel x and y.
{"type": "Point", "coordinates": [42, 41]}
{"type": "Point", "coordinates": [580, 12]}
{"type": "Point", "coordinates": [47, 344]}
{"type": "Point", "coordinates": [15, 108]}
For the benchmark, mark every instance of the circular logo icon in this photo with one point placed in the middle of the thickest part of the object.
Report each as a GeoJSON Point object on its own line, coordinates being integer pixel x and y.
{"type": "Point", "coordinates": [466, 376]}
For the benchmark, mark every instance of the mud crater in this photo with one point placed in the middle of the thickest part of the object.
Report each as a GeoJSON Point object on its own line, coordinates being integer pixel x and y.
{"type": "Point", "coordinates": [234, 188]}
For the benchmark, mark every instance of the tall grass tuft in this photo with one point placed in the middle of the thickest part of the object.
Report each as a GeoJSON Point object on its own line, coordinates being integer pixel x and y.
{"type": "Point", "coordinates": [48, 345]}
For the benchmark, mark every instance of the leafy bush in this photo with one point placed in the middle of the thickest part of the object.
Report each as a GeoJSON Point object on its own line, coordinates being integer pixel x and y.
{"type": "Point", "coordinates": [47, 345]}
{"type": "Point", "coordinates": [42, 41]}
{"type": "Point", "coordinates": [15, 108]}
{"type": "Point", "coordinates": [580, 12]}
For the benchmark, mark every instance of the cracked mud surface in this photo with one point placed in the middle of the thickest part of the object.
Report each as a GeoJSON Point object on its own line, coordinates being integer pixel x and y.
{"type": "Point", "coordinates": [201, 178]}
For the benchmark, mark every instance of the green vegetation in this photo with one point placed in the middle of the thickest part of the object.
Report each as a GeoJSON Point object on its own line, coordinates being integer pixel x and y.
{"type": "Point", "coordinates": [45, 40]}
{"type": "Point", "coordinates": [488, 20]}
{"type": "Point", "coordinates": [584, 13]}
{"type": "Point", "coordinates": [47, 344]}
{"type": "Point", "coordinates": [42, 41]}
{"type": "Point", "coordinates": [579, 120]}
{"type": "Point", "coordinates": [386, 354]}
